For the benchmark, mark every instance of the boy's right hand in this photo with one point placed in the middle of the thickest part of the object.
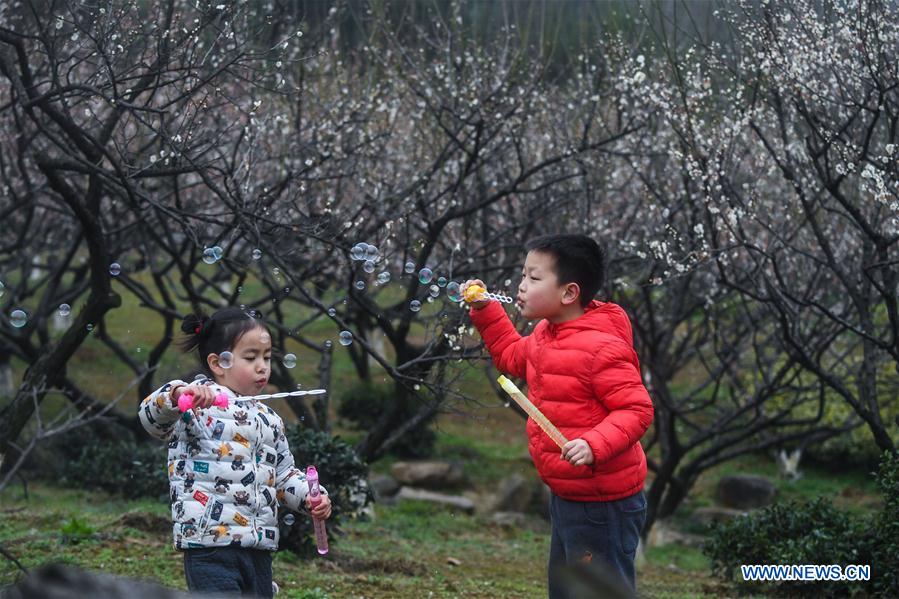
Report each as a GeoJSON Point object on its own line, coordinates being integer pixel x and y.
{"type": "Point", "coordinates": [204, 396]}
{"type": "Point", "coordinates": [478, 304]}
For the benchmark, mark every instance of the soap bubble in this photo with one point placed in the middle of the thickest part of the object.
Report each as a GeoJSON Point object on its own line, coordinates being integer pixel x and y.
{"type": "Point", "coordinates": [200, 377]}
{"type": "Point", "coordinates": [434, 290]}
{"type": "Point", "coordinates": [328, 344]}
{"type": "Point", "coordinates": [115, 269]}
{"type": "Point", "coordinates": [415, 305]}
{"type": "Point", "coordinates": [289, 519]}
{"type": "Point", "coordinates": [276, 271]}
{"type": "Point", "coordinates": [441, 281]}
{"type": "Point", "coordinates": [369, 266]}
{"type": "Point", "coordinates": [226, 359]}
{"type": "Point", "coordinates": [360, 285]}
{"type": "Point", "coordinates": [371, 253]}
{"type": "Point", "coordinates": [218, 252]}
{"type": "Point", "coordinates": [410, 267]}
{"type": "Point", "coordinates": [209, 256]}
{"type": "Point", "coordinates": [454, 291]}
{"type": "Point", "coordinates": [332, 312]}
{"type": "Point", "coordinates": [289, 361]}
{"type": "Point", "coordinates": [2, 288]}
{"type": "Point", "coordinates": [18, 318]}
{"type": "Point", "coordinates": [425, 275]}
{"type": "Point", "coordinates": [65, 309]}
{"type": "Point", "coordinates": [358, 251]}
{"type": "Point", "coordinates": [257, 254]}
{"type": "Point", "coordinates": [345, 337]}
{"type": "Point", "coordinates": [90, 327]}
{"type": "Point", "coordinates": [384, 278]}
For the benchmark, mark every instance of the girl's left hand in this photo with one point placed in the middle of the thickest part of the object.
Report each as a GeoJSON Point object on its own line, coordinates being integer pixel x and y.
{"type": "Point", "coordinates": [323, 510]}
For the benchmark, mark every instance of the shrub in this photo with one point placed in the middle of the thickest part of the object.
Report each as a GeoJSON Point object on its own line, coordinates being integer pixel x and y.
{"type": "Point", "coordinates": [364, 403]}
{"type": "Point", "coordinates": [125, 468]}
{"type": "Point", "coordinates": [816, 533]}
{"type": "Point", "coordinates": [340, 470]}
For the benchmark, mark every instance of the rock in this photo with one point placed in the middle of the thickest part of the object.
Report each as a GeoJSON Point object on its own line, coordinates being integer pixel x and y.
{"type": "Point", "coordinates": [454, 501]}
{"type": "Point", "coordinates": [514, 495]}
{"type": "Point", "coordinates": [509, 519]}
{"type": "Point", "coordinates": [383, 486]}
{"type": "Point", "coordinates": [662, 533]}
{"type": "Point", "coordinates": [704, 516]}
{"type": "Point", "coordinates": [430, 474]}
{"type": "Point", "coordinates": [542, 496]}
{"type": "Point", "coordinates": [743, 491]}
{"type": "Point", "coordinates": [453, 561]}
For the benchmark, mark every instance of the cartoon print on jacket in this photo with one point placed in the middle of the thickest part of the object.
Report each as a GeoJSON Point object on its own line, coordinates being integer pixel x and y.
{"type": "Point", "coordinates": [225, 484]}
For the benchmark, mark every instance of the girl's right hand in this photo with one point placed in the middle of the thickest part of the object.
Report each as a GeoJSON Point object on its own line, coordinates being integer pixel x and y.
{"type": "Point", "coordinates": [478, 304]}
{"type": "Point", "coordinates": [204, 396]}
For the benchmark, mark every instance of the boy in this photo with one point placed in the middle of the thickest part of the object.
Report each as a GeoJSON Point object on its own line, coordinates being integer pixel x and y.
{"type": "Point", "coordinates": [582, 373]}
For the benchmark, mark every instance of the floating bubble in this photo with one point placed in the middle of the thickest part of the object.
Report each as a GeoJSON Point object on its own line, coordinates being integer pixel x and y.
{"type": "Point", "coordinates": [371, 253]}
{"type": "Point", "coordinates": [18, 318]}
{"type": "Point", "coordinates": [226, 359]}
{"type": "Point", "coordinates": [369, 266]}
{"type": "Point", "coordinates": [2, 288]}
{"type": "Point", "coordinates": [441, 281]}
{"type": "Point", "coordinates": [257, 254]}
{"type": "Point", "coordinates": [332, 312]}
{"type": "Point", "coordinates": [115, 269]}
{"type": "Point", "coordinates": [425, 275]}
{"type": "Point", "coordinates": [218, 252]}
{"type": "Point", "coordinates": [410, 267]}
{"type": "Point", "coordinates": [328, 344]}
{"type": "Point", "coordinates": [65, 309]}
{"type": "Point", "coordinates": [200, 377]}
{"type": "Point", "coordinates": [289, 519]}
{"type": "Point", "coordinates": [434, 290]}
{"type": "Point", "coordinates": [415, 305]}
{"type": "Point", "coordinates": [289, 361]}
{"type": "Point", "coordinates": [209, 256]}
{"type": "Point", "coordinates": [360, 285]}
{"type": "Point", "coordinates": [358, 251]}
{"type": "Point", "coordinates": [454, 291]}
{"type": "Point", "coordinates": [276, 271]}
{"type": "Point", "coordinates": [345, 337]}
{"type": "Point", "coordinates": [384, 278]}
{"type": "Point", "coordinates": [90, 327]}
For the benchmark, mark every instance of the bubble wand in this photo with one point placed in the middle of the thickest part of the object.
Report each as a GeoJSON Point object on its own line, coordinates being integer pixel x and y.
{"type": "Point", "coordinates": [476, 293]}
{"type": "Point", "coordinates": [186, 400]}
{"type": "Point", "coordinates": [315, 498]}
{"type": "Point", "coordinates": [536, 415]}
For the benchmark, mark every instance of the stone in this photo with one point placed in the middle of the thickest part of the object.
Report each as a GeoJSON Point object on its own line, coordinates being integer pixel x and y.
{"type": "Point", "coordinates": [383, 486]}
{"type": "Point", "coordinates": [705, 516]}
{"type": "Point", "coordinates": [509, 519]}
{"type": "Point", "coordinates": [744, 491]}
{"type": "Point", "coordinates": [452, 501]}
{"type": "Point", "coordinates": [513, 495]}
{"type": "Point", "coordinates": [430, 474]}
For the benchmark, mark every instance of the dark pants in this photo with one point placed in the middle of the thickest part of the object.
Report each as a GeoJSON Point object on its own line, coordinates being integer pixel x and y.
{"type": "Point", "coordinates": [599, 538]}
{"type": "Point", "coordinates": [232, 570]}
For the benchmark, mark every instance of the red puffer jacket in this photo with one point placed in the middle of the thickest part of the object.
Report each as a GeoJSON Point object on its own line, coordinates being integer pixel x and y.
{"type": "Point", "coordinates": [584, 376]}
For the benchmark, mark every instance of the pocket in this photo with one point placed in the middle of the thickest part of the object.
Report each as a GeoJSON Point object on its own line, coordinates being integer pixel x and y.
{"type": "Point", "coordinates": [633, 505]}
{"type": "Point", "coordinates": [632, 517]}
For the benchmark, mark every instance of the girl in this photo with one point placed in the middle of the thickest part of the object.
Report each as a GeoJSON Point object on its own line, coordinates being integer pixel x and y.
{"type": "Point", "coordinates": [230, 467]}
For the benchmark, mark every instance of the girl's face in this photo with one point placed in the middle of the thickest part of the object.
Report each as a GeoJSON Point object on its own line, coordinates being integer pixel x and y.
{"type": "Point", "coordinates": [250, 364]}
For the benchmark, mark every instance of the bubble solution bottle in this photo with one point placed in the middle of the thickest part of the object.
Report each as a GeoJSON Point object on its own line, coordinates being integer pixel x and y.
{"type": "Point", "coordinates": [315, 498]}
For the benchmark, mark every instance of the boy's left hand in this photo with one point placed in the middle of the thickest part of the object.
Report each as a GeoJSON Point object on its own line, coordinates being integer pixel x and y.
{"type": "Point", "coordinates": [323, 510]}
{"type": "Point", "coordinates": [577, 452]}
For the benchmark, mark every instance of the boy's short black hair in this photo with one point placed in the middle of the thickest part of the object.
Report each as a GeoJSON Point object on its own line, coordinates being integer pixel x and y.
{"type": "Point", "coordinates": [578, 259]}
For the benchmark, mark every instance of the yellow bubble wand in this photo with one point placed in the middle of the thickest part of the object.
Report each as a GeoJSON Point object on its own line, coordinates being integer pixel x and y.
{"type": "Point", "coordinates": [536, 415]}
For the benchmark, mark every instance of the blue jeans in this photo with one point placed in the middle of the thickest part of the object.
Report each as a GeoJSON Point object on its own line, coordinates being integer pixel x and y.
{"type": "Point", "coordinates": [230, 570]}
{"type": "Point", "coordinates": [601, 536]}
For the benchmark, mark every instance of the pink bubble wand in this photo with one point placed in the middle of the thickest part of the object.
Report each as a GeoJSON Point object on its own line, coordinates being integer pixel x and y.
{"type": "Point", "coordinates": [186, 400]}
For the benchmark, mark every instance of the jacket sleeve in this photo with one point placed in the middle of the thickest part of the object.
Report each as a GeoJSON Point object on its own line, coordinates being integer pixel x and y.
{"type": "Point", "coordinates": [507, 348]}
{"type": "Point", "coordinates": [619, 387]}
{"type": "Point", "coordinates": [157, 414]}
{"type": "Point", "coordinates": [290, 483]}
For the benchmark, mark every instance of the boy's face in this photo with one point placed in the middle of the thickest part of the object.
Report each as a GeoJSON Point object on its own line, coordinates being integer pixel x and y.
{"type": "Point", "coordinates": [250, 364]}
{"type": "Point", "coordinates": [539, 293]}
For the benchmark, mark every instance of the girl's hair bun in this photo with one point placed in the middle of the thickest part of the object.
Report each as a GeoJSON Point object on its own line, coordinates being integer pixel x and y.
{"type": "Point", "coordinates": [194, 324]}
